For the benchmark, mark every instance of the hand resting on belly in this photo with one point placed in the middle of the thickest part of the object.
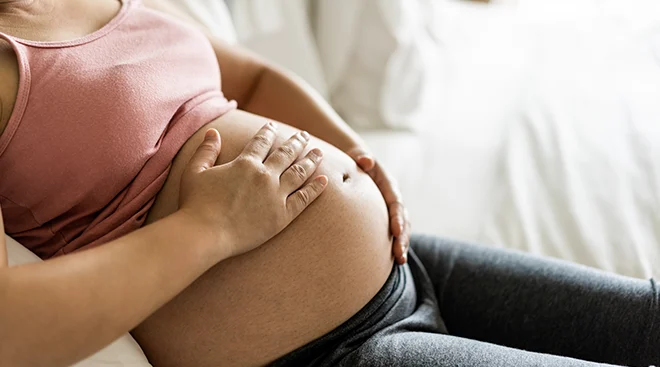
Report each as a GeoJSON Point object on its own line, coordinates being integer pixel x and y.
{"type": "Point", "coordinates": [298, 286]}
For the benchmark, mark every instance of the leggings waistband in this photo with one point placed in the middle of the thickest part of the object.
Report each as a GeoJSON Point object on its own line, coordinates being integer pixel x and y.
{"type": "Point", "coordinates": [398, 291]}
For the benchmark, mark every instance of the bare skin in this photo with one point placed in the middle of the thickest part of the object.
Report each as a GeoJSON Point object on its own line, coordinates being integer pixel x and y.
{"type": "Point", "coordinates": [301, 284]}
{"type": "Point", "coordinates": [41, 21]}
{"type": "Point", "coordinates": [71, 306]}
{"type": "Point", "coordinates": [9, 76]}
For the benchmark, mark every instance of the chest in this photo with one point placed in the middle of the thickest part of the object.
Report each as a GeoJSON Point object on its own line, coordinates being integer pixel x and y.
{"type": "Point", "coordinates": [56, 20]}
{"type": "Point", "coordinates": [45, 21]}
{"type": "Point", "coordinates": [90, 115]}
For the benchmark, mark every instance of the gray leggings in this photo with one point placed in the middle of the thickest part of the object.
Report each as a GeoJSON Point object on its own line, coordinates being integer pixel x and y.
{"type": "Point", "coordinates": [462, 305]}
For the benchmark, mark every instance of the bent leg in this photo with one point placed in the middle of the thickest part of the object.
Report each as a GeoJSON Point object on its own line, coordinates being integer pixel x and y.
{"type": "Point", "coordinates": [418, 349]}
{"type": "Point", "coordinates": [543, 305]}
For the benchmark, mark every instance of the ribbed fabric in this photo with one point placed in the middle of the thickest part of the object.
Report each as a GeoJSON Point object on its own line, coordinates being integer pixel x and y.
{"type": "Point", "coordinates": [96, 125]}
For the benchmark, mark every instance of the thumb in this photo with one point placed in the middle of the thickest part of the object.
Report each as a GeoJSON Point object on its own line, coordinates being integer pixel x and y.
{"type": "Point", "coordinates": [363, 159]}
{"type": "Point", "coordinates": [366, 162]}
{"type": "Point", "coordinates": [207, 152]}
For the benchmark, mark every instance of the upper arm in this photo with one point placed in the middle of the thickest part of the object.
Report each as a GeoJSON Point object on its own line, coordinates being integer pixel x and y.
{"type": "Point", "coordinates": [241, 69]}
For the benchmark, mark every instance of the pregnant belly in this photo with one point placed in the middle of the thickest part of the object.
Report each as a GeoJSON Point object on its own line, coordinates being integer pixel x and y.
{"type": "Point", "coordinates": [316, 274]}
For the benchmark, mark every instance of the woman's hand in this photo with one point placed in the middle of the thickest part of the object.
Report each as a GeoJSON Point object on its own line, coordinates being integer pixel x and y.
{"type": "Point", "coordinates": [399, 220]}
{"type": "Point", "coordinates": [238, 206]}
{"type": "Point", "coordinates": [251, 199]}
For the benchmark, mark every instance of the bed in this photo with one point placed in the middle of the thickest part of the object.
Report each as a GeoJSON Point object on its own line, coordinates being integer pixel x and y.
{"type": "Point", "coordinates": [541, 132]}
{"type": "Point", "coordinates": [530, 125]}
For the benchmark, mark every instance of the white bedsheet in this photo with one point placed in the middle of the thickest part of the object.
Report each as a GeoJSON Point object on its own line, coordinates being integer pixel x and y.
{"type": "Point", "coordinates": [542, 132]}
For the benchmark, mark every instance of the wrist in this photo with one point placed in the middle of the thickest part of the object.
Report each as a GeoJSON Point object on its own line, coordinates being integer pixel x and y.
{"type": "Point", "coordinates": [209, 241]}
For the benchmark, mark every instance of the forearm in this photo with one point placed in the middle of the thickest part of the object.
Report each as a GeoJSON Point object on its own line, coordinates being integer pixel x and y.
{"type": "Point", "coordinates": [285, 97]}
{"type": "Point", "coordinates": [60, 311]}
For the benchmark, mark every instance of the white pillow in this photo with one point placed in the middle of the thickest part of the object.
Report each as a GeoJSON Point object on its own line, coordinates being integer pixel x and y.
{"type": "Point", "coordinates": [280, 31]}
{"type": "Point", "coordinates": [212, 14]}
{"type": "Point", "coordinates": [124, 352]}
{"type": "Point", "coordinates": [377, 56]}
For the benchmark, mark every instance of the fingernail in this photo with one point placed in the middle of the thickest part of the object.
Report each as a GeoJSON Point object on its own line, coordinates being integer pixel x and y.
{"type": "Point", "coordinates": [323, 180]}
{"type": "Point", "coordinates": [317, 152]}
{"type": "Point", "coordinates": [272, 125]}
{"type": "Point", "coordinates": [210, 134]}
{"type": "Point", "coordinates": [305, 135]}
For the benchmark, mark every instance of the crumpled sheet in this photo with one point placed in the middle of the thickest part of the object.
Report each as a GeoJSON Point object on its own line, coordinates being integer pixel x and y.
{"type": "Point", "coordinates": [542, 132]}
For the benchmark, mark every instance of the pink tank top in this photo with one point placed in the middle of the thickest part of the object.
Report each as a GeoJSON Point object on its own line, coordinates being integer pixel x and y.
{"type": "Point", "coordinates": [96, 125]}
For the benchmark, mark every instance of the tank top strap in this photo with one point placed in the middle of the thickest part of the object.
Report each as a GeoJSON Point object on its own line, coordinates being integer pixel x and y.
{"type": "Point", "coordinates": [117, 20]}
{"type": "Point", "coordinates": [8, 38]}
{"type": "Point", "coordinates": [25, 80]}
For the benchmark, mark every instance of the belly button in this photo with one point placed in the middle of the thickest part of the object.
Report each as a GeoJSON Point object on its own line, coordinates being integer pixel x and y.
{"type": "Point", "coordinates": [346, 177]}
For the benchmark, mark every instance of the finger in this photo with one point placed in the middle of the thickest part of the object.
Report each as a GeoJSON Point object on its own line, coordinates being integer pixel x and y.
{"type": "Point", "coordinates": [297, 174]}
{"type": "Point", "coordinates": [398, 251]}
{"type": "Point", "coordinates": [385, 184]}
{"type": "Point", "coordinates": [396, 218]}
{"type": "Point", "coordinates": [405, 242]}
{"type": "Point", "coordinates": [288, 152]}
{"type": "Point", "coordinates": [207, 152]}
{"type": "Point", "coordinates": [260, 144]}
{"type": "Point", "coordinates": [299, 200]}
{"type": "Point", "coordinates": [405, 237]}
{"type": "Point", "coordinates": [402, 242]}
{"type": "Point", "coordinates": [366, 162]}
{"type": "Point", "coordinates": [363, 159]}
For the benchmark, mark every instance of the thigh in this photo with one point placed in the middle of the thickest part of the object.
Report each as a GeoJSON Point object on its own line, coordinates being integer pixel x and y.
{"type": "Point", "coordinates": [549, 306]}
{"type": "Point", "coordinates": [416, 349]}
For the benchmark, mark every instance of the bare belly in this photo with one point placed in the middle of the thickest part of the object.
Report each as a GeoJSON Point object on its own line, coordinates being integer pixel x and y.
{"type": "Point", "coordinates": [300, 285]}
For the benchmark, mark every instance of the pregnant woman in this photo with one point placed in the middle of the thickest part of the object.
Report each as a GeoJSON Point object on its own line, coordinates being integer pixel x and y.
{"type": "Point", "coordinates": [110, 113]}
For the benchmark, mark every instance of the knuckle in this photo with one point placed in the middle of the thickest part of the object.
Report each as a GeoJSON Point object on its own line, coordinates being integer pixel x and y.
{"type": "Point", "coordinates": [299, 172]}
{"type": "Point", "coordinates": [304, 197]}
{"type": "Point", "coordinates": [207, 147]}
{"type": "Point", "coordinates": [287, 150]}
{"type": "Point", "coordinates": [245, 162]}
{"type": "Point", "coordinates": [261, 173]}
{"type": "Point", "coordinates": [261, 140]}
